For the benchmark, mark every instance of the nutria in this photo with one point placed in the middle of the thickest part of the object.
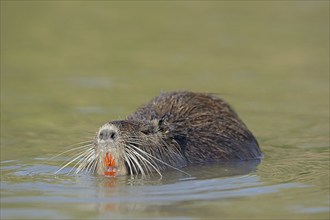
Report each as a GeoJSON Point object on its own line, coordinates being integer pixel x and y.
{"type": "Point", "coordinates": [173, 130]}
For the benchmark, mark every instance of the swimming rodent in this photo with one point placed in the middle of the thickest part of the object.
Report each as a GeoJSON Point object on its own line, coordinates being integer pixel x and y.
{"type": "Point", "coordinates": [173, 130]}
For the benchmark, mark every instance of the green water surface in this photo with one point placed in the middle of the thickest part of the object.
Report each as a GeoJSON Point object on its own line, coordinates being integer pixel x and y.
{"type": "Point", "coordinates": [67, 67]}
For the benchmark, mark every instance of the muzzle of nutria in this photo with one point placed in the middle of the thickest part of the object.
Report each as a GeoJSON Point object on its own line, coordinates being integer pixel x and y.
{"type": "Point", "coordinates": [108, 152]}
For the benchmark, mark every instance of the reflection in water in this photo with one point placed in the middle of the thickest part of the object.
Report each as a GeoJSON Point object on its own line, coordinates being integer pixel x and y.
{"type": "Point", "coordinates": [209, 184]}
{"type": "Point", "coordinates": [64, 75]}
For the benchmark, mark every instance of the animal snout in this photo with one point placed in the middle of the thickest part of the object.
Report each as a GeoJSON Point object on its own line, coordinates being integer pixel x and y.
{"type": "Point", "coordinates": [107, 134]}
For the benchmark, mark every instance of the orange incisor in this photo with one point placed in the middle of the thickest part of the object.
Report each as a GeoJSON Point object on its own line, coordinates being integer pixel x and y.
{"type": "Point", "coordinates": [110, 164]}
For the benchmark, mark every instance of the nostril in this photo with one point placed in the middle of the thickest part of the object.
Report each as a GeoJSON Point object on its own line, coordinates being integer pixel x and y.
{"type": "Point", "coordinates": [112, 135]}
{"type": "Point", "coordinates": [107, 134]}
{"type": "Point", "coordinates": [101, 135]}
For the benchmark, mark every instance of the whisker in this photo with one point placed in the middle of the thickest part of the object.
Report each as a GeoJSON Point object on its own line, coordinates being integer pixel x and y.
{"type": "Point", "coordinates": [128, 163]}
{"type": "Point", "coordinates": [71, 161]}
{"type": "Point", "coordinates": [73, 149]}
{"type": "Point", "coordinates": [81, 164]}
{"type": "Point", "coordinates": [155, 167]}
{"type": "Point", "coordinates": [89, 162]}
{"type": "Point", "coordinates": [93, 165]}
{"type": "Point", "coordinates": [142, 160]}
{"type": "Point", "coordinates": [174, 153]}
{"type": "Point", "coordinates": [155, 158]}
{"type": "Point", "coordinates": [133, 157]}
{"type": "Point", "coordinates": [74, 154]}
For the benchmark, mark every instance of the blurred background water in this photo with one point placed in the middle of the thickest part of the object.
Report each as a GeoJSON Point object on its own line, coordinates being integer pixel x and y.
{"type": "Point", "coordinates": [67, 67]}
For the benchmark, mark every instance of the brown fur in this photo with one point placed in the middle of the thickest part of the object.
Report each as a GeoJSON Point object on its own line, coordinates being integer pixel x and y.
{"type": "Point", "coordinates": [181, 128]}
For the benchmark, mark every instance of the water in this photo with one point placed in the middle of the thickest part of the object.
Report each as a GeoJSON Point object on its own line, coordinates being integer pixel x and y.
{"type": "Point", "coordinates": [68, 67]}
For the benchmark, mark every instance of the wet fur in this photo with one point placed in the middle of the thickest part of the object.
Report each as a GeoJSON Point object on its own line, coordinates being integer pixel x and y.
{"type": "Point", "coordinates": [173, 130]}
{"type": "Point", "coordinates": [203, 127]}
